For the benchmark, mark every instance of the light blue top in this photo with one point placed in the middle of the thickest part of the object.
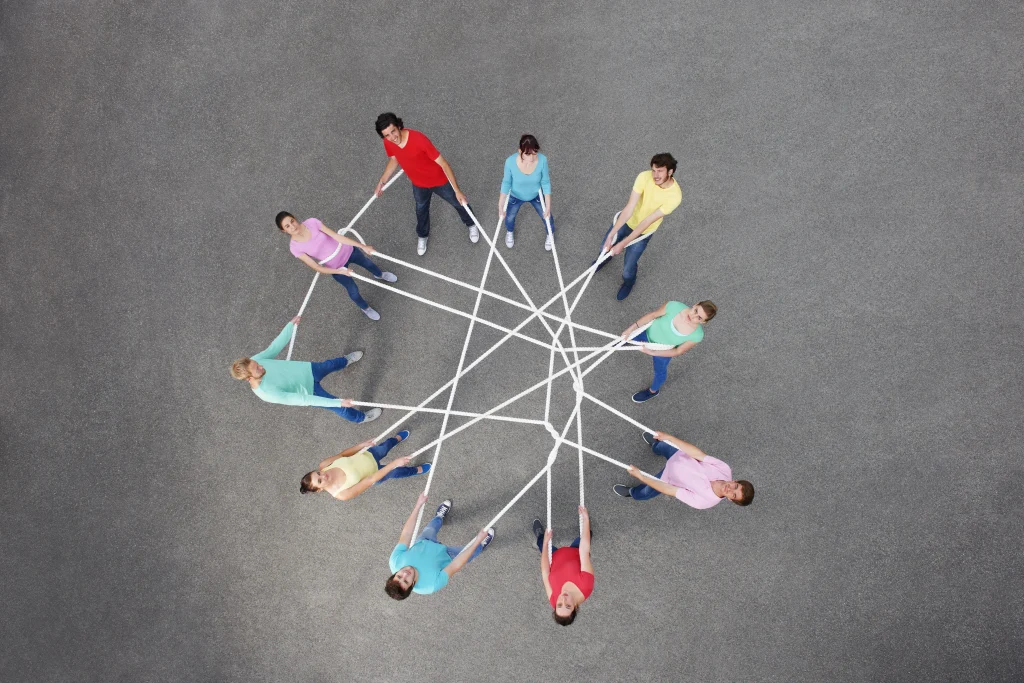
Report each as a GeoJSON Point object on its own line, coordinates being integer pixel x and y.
{"type": "Point", "coordinates": [289, 382]}
{"type": "Point", "coordinates": [523, 186]}
{"type": "Point", "coordinates": [429, 558]}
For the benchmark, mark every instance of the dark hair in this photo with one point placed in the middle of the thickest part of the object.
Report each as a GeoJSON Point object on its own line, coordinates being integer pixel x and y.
{"type": "Point", "coordinates": [748, 492]}
{"type": "Point", "coordinates": [565, 621]}
{"type": "Point", "coordinates": [710, 309]}
{"type": "Point", "coordinates": [528, 144]}
{"type": "Point", "coordinates": [664, 160]}
{"type": "Point", "coordinates": [279, 219]}
{"type": "Point", "coordinates": [306, 485]}
{"type": "Point", "coordinates": [387, 119]}
{"type": "Point", "coordinates": [395, 590]}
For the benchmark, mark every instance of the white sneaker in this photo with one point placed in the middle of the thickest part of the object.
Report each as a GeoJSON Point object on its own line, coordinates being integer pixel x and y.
{"type": "Point", "coordinates": [372, 414]}
{"type": "Point", "coordinates": [474, 234]}
{"type": "Point", "coordinates": [510, 240]}
{"type": "Point", "coordinates": [371, 314]}
{"type": "Point", "coordinates": [387, 277]}
{"type": "Point", "coordinates": [421, 246]}
{"type": "Point", "coordinates": [549, 243]}
{"type": "Point", "coordinates": [353, 357]}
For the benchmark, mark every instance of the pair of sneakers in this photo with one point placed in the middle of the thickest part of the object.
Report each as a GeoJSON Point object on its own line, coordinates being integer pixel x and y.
{"type": "Point", "coordinates": [421, 242]}
{"type": "Point", "coordinates": [510, 240]}
{"type": "Point", "coordinates": [373, 413]}
{"type": "Point", "coordinates": [622, 489]}
{"type": "Point", "coordinates": [386, 276]}
{"type": "Point", "coordinates": [446, 506]}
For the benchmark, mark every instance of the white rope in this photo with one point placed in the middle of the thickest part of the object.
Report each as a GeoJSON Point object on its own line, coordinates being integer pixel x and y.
{"type": "Point", "coordinates": [309, 292]}
{"type": "Point", "coordinates": [604, 457]}
{"type": "Point", "coordinates": [621, 414]}
{"type": "Point", "coordinates": [442, 411]}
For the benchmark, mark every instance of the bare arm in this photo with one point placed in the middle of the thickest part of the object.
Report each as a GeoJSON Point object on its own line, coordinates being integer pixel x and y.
{"type": "Point", "coordinates": [390, 168]}
{"type": "Point", "coordinates": [462, 558]}
{"type": "Point", "coordinates": [406, 536]}
{"type": "Point", "coordinates": [440, 160]}
{"type": "Point", "coordinates": [649, 318]}
{"type": "Point", "coordinates": [637, 231]}
{"type": "Point", "coordinates": [585, 564]}
{"type": "Point", "coordinates": [308, 260]}
{"type": "Point", "coordinates": [347, 240]}
{"type": "Point", "coordinates": [359, 488]}
{"type": "Point", "coordinates": [689, 448]}
{"type": "Point", "coordinates": [346, 453]}
{"type": "Point", "coordinates": [655, 483]}
{"type": "Point", "coordinates": [624, 215]}
{"type": "Point", "coordinates": [545, 565]}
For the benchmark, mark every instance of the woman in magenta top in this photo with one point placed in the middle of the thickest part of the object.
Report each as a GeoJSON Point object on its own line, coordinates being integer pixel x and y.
{"type": "Point", "coordinates": [569, 578]}
{"type": "Point", "coordinates": [327, 252]}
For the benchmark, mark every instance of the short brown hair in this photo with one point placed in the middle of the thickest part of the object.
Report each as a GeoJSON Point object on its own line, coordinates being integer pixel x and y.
{"type": "Point", "coordinates": [748, 492]}
{"type": "Point", "coordinates": [240, 368]}
{"type": "Point", "coordinates": [395, 590]}
{"type": "Point", "coordinates": [566, 620]}
{"type": "Point", "coordinates": [528, 144]}
{"type": "Point", "coordinates": [664, 160]}
{"type": "Point", "coordinates": [306, 485]}
{"type": "Point", "coordinates": [709, 309]}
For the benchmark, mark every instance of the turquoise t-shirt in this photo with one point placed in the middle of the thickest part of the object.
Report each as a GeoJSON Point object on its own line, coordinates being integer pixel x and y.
{"type": "Point", "coordinates": [428, 558]}
{"type": "Point", "coordinates": [288, 382]}
{"type": "Point", "coordinates": [523, 186]}
{"type": "Point", "coordinates": [661, 330]}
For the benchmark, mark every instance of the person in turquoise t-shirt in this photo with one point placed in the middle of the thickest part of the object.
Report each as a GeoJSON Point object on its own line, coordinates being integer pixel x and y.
{"type": "Point", "coordinates": [526, 176]}
{"type": "Point", "coordinates": [425, 566]}
{"type": "Point", "coordinates": [675, 324]}
{"type": "Point", "coordinates": [297, 383]}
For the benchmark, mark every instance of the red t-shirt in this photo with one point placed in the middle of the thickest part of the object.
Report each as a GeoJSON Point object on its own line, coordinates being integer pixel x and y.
{"type": "Point", "coordinates": [565, 566]}
{"type": "Point", "coordinates": [417, 159]}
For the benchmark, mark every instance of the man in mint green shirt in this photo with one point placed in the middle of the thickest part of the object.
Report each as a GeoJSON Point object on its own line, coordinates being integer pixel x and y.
{"type": "Point", "coordinates": [297, 383]}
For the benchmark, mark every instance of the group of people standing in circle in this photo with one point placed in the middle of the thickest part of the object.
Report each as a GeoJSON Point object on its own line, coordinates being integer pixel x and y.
{"type": "Point", "coordinates": [425, 565]}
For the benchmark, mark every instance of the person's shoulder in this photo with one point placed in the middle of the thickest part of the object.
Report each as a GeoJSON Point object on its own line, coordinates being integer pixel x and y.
{"type": "Point", "coordinates": [676, 189]}
{"type": "Point", "coordinates": [312, 222]}
{"type": "Point", "coordinates": [542, 158]}
{"type": "Point", "coordinates": [645, 176]}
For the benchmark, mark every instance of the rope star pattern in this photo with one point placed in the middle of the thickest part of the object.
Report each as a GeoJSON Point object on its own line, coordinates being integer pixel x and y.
{"type": "Point", "coordinates": [577, 368]}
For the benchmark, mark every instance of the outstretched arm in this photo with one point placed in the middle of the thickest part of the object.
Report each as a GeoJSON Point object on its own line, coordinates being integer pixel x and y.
{"type": "Point", "coordinates": [627, 211]}
{"type": "Point", "coordinates": [342, 239]}
{"type": "Point", "coordinates": [406, 536]}
{"type": "Point", "coordinates": [689, 448]}
{"type": "Point", "coordinates": [440, 160]}
{"type": "Point", "coordinates": [462, 558]}
{"type": "Point", "coordinates": [585, 542]}
{"type": "Point", "coordinates": [326, 462]}
{"type": "Point", "coordinates": [390, 168]}
{"type": "Point", "coordinates": [359, 488]}
{"type": "Point", "coordinates": [655, 483]}
{"type": "Point", "coordinates": [278, 344]}
{"type": "Point", "coordinates": [637, 231]}
{"type": "Point", "coordinates": [649, 318]}
{"type": "Point", "coordinates": [545, 565]}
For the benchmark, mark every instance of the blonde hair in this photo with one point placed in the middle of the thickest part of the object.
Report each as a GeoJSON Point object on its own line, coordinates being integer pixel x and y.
{"type": "Point", "coordinates": [240, 369]}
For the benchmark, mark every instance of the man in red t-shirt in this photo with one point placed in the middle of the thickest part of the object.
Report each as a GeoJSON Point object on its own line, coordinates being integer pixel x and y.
{"type": "Point", "coordinates": [569, 578]}
{"type": "Point", "coordinates": [428, 171]}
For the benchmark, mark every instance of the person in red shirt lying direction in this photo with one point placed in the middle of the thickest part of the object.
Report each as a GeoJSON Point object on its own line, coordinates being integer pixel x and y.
{"type": "Point", "coordinates": [569, 577]}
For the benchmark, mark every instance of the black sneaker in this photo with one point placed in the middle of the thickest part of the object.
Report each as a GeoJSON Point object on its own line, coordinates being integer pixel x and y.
{"type": "Point", "coordinates": [624, 290]}
{"type": "Point", "coordinates": [538, 529]}
{"type": "Point", "coordinates": [644, 395]}
{"type": "Point", "coordinates": [648, 438]}
{"type": "Point", "coordinates": [444, 508]}
{"type": "Point", "coordinates": [487, 540]}
{"type": "Point", "coordinates": [621, 490]}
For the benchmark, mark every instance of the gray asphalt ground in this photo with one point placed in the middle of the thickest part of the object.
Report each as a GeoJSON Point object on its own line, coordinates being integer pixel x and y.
{"type": "Point", "coordinates": [853, 182]}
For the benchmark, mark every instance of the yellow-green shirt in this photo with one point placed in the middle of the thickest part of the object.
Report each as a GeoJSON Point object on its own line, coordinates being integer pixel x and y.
{"type": "Point", "coordinates": [653, 198]}
{"type": "Point", "coordinates": [356, 467]}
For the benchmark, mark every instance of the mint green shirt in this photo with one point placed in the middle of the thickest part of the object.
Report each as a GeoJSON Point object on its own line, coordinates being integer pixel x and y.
{"type": "Point", "coordinates": [289, 382]}
{"type": "Point", "coordinates": [662, 331]}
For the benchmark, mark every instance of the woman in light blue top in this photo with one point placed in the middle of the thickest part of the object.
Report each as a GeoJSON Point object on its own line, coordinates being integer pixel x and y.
{"type": "Point", "coordinates": [526, 175]}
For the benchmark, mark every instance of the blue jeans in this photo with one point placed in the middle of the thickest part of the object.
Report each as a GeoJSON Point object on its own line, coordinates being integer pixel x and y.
{"type": "Point", "coordinates": [423, 195]}
{"type": "Point", "coordinates": [358, 258]}
{"type": "Point", "coordinates": [321, 370]}
{"type": "Point", "coordinates": [380, 450]}
{"type": "Point", "coordinates": [540, 544]}
{"type": "Point", "coordinates": [429, 533]}
{"type": "Point", "coordinates": [660, 364]}
{"type": "Point", "coordinates": [515, 203]}
{"type": "Point", "coordinates": [643, 491]}
{"type": "Point", "coordinates": [631, 255]}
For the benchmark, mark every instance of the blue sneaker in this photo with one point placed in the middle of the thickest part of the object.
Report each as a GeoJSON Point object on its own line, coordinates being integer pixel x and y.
{"type": "Point", "coordinates": [426, 468]}
{"type": "Point", "coordinates": [625, 289]}
{"type": "Point", "coordinates": [487, 540]}
{"type": "Point", "coordinates": [648, 438]}
{"type": "Point", "coordinates": [644, 396]}
{"type": "Point", "coordinates": [402, 435]}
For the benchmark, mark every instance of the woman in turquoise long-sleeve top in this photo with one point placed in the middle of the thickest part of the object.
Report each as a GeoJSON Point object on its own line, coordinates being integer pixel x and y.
{"type": "Point", "coordinates": [297, 383]}
{"type": "Point", "coordinates": [526, 176]}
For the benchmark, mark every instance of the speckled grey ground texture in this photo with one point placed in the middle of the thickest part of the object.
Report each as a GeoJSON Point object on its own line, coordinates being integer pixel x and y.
{"type": "Point", "coordinates": [853, 184]}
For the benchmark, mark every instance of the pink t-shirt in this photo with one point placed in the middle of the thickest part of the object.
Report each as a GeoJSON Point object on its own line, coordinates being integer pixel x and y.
{"type": "Point", "coordinates": [693, 478]}
{"type": "Point", "coordinates": [319, 246]}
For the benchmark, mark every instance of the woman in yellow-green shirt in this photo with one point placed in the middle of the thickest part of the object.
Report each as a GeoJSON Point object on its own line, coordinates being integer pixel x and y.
{"type": "Point", "coordinates": [352, 471]}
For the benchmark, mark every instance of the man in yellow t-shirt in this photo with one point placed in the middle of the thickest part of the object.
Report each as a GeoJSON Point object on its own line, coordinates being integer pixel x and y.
{"type": "Point", "coordinates": [655, 195]}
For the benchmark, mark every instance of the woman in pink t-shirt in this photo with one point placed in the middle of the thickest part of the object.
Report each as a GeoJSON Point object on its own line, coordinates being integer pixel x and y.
{"type": "Point", "coordinates": [327, 252]}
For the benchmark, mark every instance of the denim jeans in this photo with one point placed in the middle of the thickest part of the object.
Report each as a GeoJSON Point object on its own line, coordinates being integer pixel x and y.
{"type": "Point", "coordinates": [321, 370]}
{"type": "Point", "coordinates": [643, 491]}
{"type": "Point", "coordinates": [358, 258]}
{"type": "Point", "coordinates": [540, 544]}
{"type": "Point", "coordinates": [515, 203]}
{"type": "Point", "coordinates": [429, 533]}
{"type": "Point", "coordinates": [380, 450]}
{"type": "Point", "coordinates": [423, 195]}
{"type": "Point", "coordinates": [660, 364]}
{"type": "Point", "coordinates": [632, 253]}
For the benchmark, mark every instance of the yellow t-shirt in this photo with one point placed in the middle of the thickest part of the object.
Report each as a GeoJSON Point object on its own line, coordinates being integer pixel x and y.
{"type": "Point", "coordinates": [356, 467]}
{"type": "Point", "coordinates": [653, 198]}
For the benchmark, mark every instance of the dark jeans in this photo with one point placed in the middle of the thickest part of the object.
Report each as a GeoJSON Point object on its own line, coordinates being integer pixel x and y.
{"type": "Point", "coordinates": [380, 450]}
{"type": "Point", "coordinates": [643, 491]}
{"type": "Point", "coordinates": [515, 203]}
{"type": "Point", "coordinates": [429, 533]}
{"type": "Point", "coordinates": [660, 364]}
{"type": "Point", "coordinates": [631, 255]}
{"type": "Point", "coordinates": [423, 196]}
{"type": "Point", "coordinates": [321, 370]}
{"type": "Point", "coordinates": [358, 258]}
{"type": "Point", "coordinates": [540, 544]}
